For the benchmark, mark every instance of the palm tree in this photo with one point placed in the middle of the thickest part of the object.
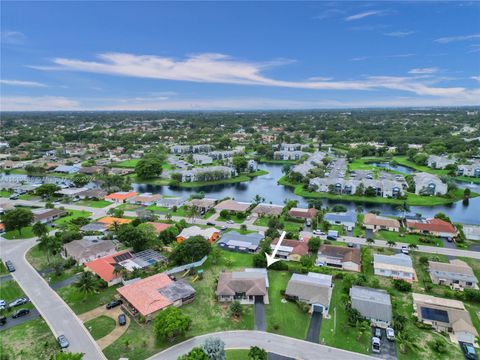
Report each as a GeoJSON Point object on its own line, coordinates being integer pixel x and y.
{"type": "Point", "coordinates": [168, 216]}
{"type": "Point", "coordinates": [39, 229]}
{"type": "Point", "coordinates": [87, 283]}
{"type": "Point", "coordinates": [50, 244]}
{"type": "Point", "coordinates": [370, 241]}
{"type": "Point", "coordinates": [193, 213]}
{"type": "Point", "coordinates": [412, 246]}
{"type": "Point", "coordinates": [257, 199]}
{"type": "Point", "coordinates": [391, 243]}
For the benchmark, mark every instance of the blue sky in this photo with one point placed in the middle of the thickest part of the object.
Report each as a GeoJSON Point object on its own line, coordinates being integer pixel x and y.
{"type": "Point", "coordinates": [234, 55]}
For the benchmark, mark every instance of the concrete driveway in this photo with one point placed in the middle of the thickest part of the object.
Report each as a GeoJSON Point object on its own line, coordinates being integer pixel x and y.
{"type": "Point", "coordinates": [260, 323]}
{"type": "Point", "coordinates": [388, 350]}
{"type": "Point", "coordinates": [313, 332]}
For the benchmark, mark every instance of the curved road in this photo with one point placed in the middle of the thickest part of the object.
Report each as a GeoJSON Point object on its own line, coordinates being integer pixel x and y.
{"type": "Point", "coordinates": [58, 315]}
{"type": "Point", "coordinates": [281, 345]}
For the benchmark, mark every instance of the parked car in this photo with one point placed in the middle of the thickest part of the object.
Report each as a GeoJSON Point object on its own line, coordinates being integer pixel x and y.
{"type": "Point", "coordinates": [378, 333]}
{"type": "Point", "coordinates": [223, 228]}
{"type": "Point", "coordinates": [114, 303]}
{"type": "Point", "coordinates": [350, 245]}
{"type": "Point", "coordinates": [63, 342]}
{"type": "Point", "coordinates": [469, 351]}
{"type": "Point", "coordinates": [122, 319]}
{"type": "Point", "coordinates": [376, 345]}
{"type": "Point", "coordinates": [3, 320]}
{"type": "Point", "coordinates": [308, 222]}
{"type": "Point", "coordinates": [318, 232]}
{"type": "Point", "coordinates": [9, 266]}
{"type": "Point", "coordinates": [404, 250]}
{"type": "Point", "coordinates": [209, 223]}
{"type": "Point", "coordinates": [390, 334]}
{"type": "Point", "coordinates": [3, 304]}
{"type": "Point", "coordinates": [14, 197]}
{"type": "Point", "coordinates": [20, 313]}
{"type": "Point", "coordinates": [230, 222]}
{"type": "Point", "coordinates": [18, 302]}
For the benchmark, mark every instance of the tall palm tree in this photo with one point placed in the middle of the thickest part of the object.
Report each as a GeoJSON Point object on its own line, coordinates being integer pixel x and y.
{"type": "Point", "coordinates": [87, 283]}
{"type": "Point", "coordinates": [193, 213]}
{"type": "Point", "coordinates": [370, 240]}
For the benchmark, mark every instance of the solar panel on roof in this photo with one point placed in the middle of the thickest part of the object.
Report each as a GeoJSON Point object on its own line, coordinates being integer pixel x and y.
{"type": "Point", "coordinates": [435, 314]}
{"type": "Point", "coordinates": [122, 257]}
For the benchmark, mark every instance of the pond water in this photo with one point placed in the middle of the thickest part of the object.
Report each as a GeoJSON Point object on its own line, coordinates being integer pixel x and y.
{"type": "Point", "coordinates": [266, 186]}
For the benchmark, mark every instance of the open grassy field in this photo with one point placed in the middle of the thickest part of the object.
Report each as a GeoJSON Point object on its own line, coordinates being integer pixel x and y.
{"type": "Point", "coordinates": [100, 326]}
{"type": "Point", "coordinates": [30, 340]}
{"type": "Point", "coordinates": [80, 302]}
{"type": "Point", "coordinates": [94, 203]}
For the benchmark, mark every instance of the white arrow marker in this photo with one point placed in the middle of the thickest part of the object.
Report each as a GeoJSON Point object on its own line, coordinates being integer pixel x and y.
{"type": "Point", "coordinates": [271, 258]}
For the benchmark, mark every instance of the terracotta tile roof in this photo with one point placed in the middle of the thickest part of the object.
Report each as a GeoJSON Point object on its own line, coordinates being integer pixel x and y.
{"type": "Point", "coordinates": [299, 247]}
{"type": "Point", "coordinates": [303, 213]}
{"type": "Point", "coordinates": [159, 227]}
{"type": "Point", "coordinates": [144, 295]}
{"type": "Point", "coordinates": [121, 195]}
{"type": "Point", "coordinates": [111, 220]}
{"type": "Point", "coordinates": [432, 225]}
{"type": "Point", "coordinates": [104, 267]}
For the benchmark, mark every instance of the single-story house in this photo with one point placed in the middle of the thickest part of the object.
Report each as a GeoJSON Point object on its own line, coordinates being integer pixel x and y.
{"type": "Point", "coordinates": [303, 213]}
{"type": "Point", "coordinates": [267, 210]}
{"type": "Point", "coordinates": [445, 315]}
{"type": "Point", "coordinates": [429, 184]}
{"type": "Point", "coordinates": [290, 249]}
{"type": "Point", "coordinates": [435, 227]}
{"type": "Point", "coordinates": [472, 169]}
{"type": "Point", "coordinates": [72, 193]}
{"type": "Point", "coordinates": [91, 170]}
{"type": "Point", "coordinates": [159, 227]}
{"type": "Point", "coordinates": [88, 248]}
{"type": "Point", "coordinates": [243, 286]}
{"type": "Point", "coordinates": [97, 227]}
{"type": "Point", "coordinates": [376, 223]}
{"type": "Point", "coordinates": [346, 219]}
{"type": "Point", "coordinates": [235, 241]}
{"type": "Point", "coordinates": [46, 216]}
{"type": "Point", "coordinates": [456, 274]}
{"type": "Point", "coordinates": [169, 203]}
{"type": "Point", "coordinates": [92, 194]}
{"type": "Point", "coordinates": [145, 199]}
{"type": "Point", "coordinates": [398, 266]}
{"type": "Point", "coordinates": [110, 221]}
{"type": "Point", "coordinates": [439, 162]}
{"type": "Point", "coordinates": [146, 297]}
{"type": "Point", "coordinates": [472, 232]}
{"type": "Point", "coordinates": [202, 204]}
{"type": "Point", "coordinates": [67, 169]}
{"type": "Point", "coordinates": [339, 257]}
{"type": "Point", "coordinates": [313, 289]}
{"type": "Point", "coordinates": [373, 304]}
{"type": "Point", "coordinates": [211, 234]}
{"type": "Point", "coordinates": [232, 206]}
{"type": "Point", "coordinates": [121, 196]}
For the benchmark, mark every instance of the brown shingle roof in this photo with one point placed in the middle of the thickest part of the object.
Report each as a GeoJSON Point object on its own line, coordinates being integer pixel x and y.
{"type": "Point", "coordinates": [372, 219]}
{"type": "Point", "coordinates": [345, 253]}
{"type": "Point", "coordinates": [228, 285]}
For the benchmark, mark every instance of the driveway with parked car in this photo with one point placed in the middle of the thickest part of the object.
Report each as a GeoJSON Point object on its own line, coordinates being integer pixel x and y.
{"type": "Point", "coordinates": [388, 350]}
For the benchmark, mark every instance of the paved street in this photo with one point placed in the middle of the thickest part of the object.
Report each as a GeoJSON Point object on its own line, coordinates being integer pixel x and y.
{"type": "Point", "coordinates": [53, 309]}
{"type": "Point", "coordinates": [13, 322]}
{"type": "Point", "coordinates": [282, 345]}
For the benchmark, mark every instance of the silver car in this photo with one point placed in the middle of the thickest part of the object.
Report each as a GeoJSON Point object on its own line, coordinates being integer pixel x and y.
{"type": "Point", "coordinates": [63, 342]}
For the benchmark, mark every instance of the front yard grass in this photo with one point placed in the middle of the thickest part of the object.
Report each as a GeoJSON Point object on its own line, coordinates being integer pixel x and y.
{"type": "Point", "coordinates": [234, 217]}
{"type": "Point", "coordinates": [284, 318]}
{"type": "Point", "coordinates": [80, 302]}
{"type": "Point", "coordinates": [289, 226]}
{"type": "Point", "coordinates": [406, 238]}
{"type": "Point", "coordinates": [94, 203]}
{"type": "Point", "coordinates": [30, 340]}
{"type": "Point", "coordinates": [25, 233]}
{"type": "Point", "coordinates": [9, 291]}
{"type": "Point", "coordinates": [237, 354]}
{"type": "Point", "coordinates": [5, 193]}
{"type": "Point", "coordinates": [72, 214]}
{"type": "Point", "coordinates": [100, 326]}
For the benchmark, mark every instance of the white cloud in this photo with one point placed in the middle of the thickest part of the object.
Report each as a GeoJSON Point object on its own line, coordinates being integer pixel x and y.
{"type": "Point", "coordinates": [399, 33]}
{"type": "Point", "coordinates": [474, 48]}
{"type": "Point", "coordinates": [360, 58]}
{"type": "Point", "coordinates": [22, 83]}
{"type": "Point", "coordinates": [363, 15]}
{"type": "Point", "coordinates": [12, 37]}
{"type": "Point", "coordinates": [429, 70]}
{"type": "Point", "coordinates": [475, 78]}
{"type": "Point", "coordinates": [38, 103]}
{"type": "Point", "coordinates": [449, 39]}
{"type": "Point", "coordinates": [222, 69]}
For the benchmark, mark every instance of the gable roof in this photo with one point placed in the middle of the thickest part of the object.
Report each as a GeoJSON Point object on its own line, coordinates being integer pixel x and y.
{"type": "Point", "coordinates": [454, 270]}
{"type": "Point", "coordinates": [313, 288]}
{"type": "Point", "coordinates": [159, 227]}
{"type": "Point", "coordinates": [198, 231]}
{"type": "Point", "coordinates": [250, 283]}
{"type": "Point", "coordinates": [292, 246]}
{"type": "Point", "coordinates": [374, 296]}
{"type": "Point", "coordinates": [110, 220]}
{"type": "Point", "coordinates": [104, 267]}
{"type": "Point", "coordinates": [268, 209]}
{"type": "Point", "coordinates": [373, 219]}
{"type": "Point", "coordinates": [303, 213]}
{"type": "Point", "coordinates": [121, 195]}
{"type": "Point", "coordinates": [234, 238]}
{"type": "Point", "coordinates": [232, 205]}
{"type": "Point", "coordinates": [432, 225]}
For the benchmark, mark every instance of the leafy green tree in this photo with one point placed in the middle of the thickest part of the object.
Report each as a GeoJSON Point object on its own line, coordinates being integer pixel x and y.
{"type": "Point", "coordinates": [148, 168]}
{"type": "Point", "coordinates": [239, 163]}
{"type": "Point", "coordinates": [80, 180]}
{"type": "Point", "coordinates": [257, 353]}
{"type": "Point", "coordinates": [314, 244]}
{"type": "Point", "coordinates": [139, 238]}
{"type": "Point", "coordinates": [171, 323]}
{"type": "Point", "coordinates": [235, 309]}
{"type": "Point", "coordinates": [66, 356]}
{"type": "Point", "coordinates": [190, 250]}
{"type": "Point", "coordinates": [51, 245]}
{"type": "Point", "coordinates": [195, 354]}
{"type": "Point", "coordinates": [39, 229]}
{"type": "Point", "coordinates": [168, 235]}
{"type": "Point", "coordinates": [16, 219]}
{"type": "Point", "coordinates": [47, 190]}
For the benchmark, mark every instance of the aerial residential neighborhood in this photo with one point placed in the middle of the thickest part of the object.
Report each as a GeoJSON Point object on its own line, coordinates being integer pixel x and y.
{"type": "Point", "coordinates": [239, 180]}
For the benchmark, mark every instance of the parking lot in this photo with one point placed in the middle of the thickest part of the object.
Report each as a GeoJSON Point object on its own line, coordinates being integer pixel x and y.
{"type": "Point", "coordinates": [388, 350]}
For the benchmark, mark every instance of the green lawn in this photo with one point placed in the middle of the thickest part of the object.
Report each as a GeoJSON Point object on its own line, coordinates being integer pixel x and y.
{"type": "Point", "coordinates": [5, 193]}
{"type": "Point", "coordinates": [30, 340]}
{"type": "Point", "coordinates": [3, 268]}
{"type": "Point", "coordinates": [156, 208]}
{"type": "Point", "coordinates": [237, 354]}
{"type": "Point", "coordinates": [343, 336]}
{"type": "Point", "coordinates": [72, 214]}
{"type": "Point", "coordinates": [289, 226]}
{"type": "Point", "coordinates": [81, 302]}
{"type": "Point", "coordinates": [94, 203]}
{"type": "Point", "coordinates": [206, 313]}
{"type": "Point", "coordinates": [406, 238]}
{"type": "Point", "coordinates": [38, 258]}
{"type": "Point", "coordinates": [284, 318]}
{"type": "Point", "coordinates": [9, 291]}
{"type": "Point", "coordinates": [26, 233]}
{"type": "Point", "coordinates": [28, 197]}
{"type": "Point", "coordinates": [100, 326]}
{"type": "Point", "coordinates": [208, 214]}
{"type": "Point", "coordinates": [128, 164]}
{"type": "Point", "coordinates": [234, 217]}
